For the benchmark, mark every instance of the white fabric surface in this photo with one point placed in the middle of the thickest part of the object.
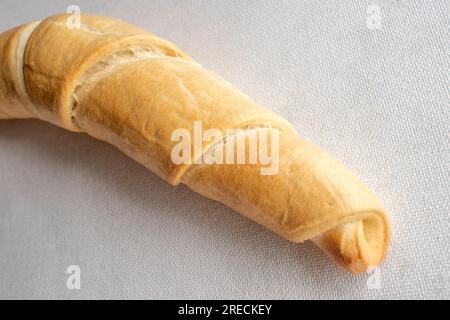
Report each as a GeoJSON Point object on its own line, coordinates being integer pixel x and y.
{"type": "Point", "coordinates": [378, 99]}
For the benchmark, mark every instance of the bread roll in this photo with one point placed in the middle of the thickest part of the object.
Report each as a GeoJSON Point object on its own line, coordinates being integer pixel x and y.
{"type": "Point", "coordinates": [128, 87]}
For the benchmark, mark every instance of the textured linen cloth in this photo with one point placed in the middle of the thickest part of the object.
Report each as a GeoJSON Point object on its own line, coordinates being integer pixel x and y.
{"type": "Point", "coordinates": [368, 81]}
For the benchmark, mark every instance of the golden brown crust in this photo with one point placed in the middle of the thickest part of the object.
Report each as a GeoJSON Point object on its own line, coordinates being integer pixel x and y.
{"type": "Point", "coordinates": [169, 93]}
{"type": "Point", "coordinates": [126, 86]}
{"type": "Point", "coordinates": [312, 197]}
{"type": "Point", "coordinates": [14, 102]}
{"type": "Point", "coordinates": [56, 57]}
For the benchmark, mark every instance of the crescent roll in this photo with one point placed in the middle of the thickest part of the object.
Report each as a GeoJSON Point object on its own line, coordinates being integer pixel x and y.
{"type": "Point", "coordinates": [132, 89]}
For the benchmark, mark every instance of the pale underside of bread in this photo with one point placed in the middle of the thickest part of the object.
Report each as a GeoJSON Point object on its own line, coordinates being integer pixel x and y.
{"type": "Point", "coordinates": [125, 86]}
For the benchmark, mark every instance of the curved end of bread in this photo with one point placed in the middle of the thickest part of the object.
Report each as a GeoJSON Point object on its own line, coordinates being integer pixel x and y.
{"type": "Point", "coordinates": [358, 246]}
{"type": "Point", "coordinates": [320, 200]}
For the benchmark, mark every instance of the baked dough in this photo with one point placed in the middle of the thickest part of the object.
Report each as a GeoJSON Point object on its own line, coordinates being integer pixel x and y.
{"type": "Point", "coordinates": [128, 87]}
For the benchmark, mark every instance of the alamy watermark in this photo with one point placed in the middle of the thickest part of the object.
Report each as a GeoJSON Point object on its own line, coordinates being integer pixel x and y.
{"type": "Point", "coordinates": [229, 148]}
{"type": "Point", "coordinates": [374, 19]}
{"type": "Point", "coordinates": [74, 20]}
{"type": "Point", "coordinates": [73, 281]}
{"type": "Point", "coordinates": [374, 280]}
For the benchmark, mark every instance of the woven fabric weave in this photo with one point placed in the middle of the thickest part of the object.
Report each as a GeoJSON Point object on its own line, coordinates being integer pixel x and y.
{"type": "Point", "coordinates": [368, 81]}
